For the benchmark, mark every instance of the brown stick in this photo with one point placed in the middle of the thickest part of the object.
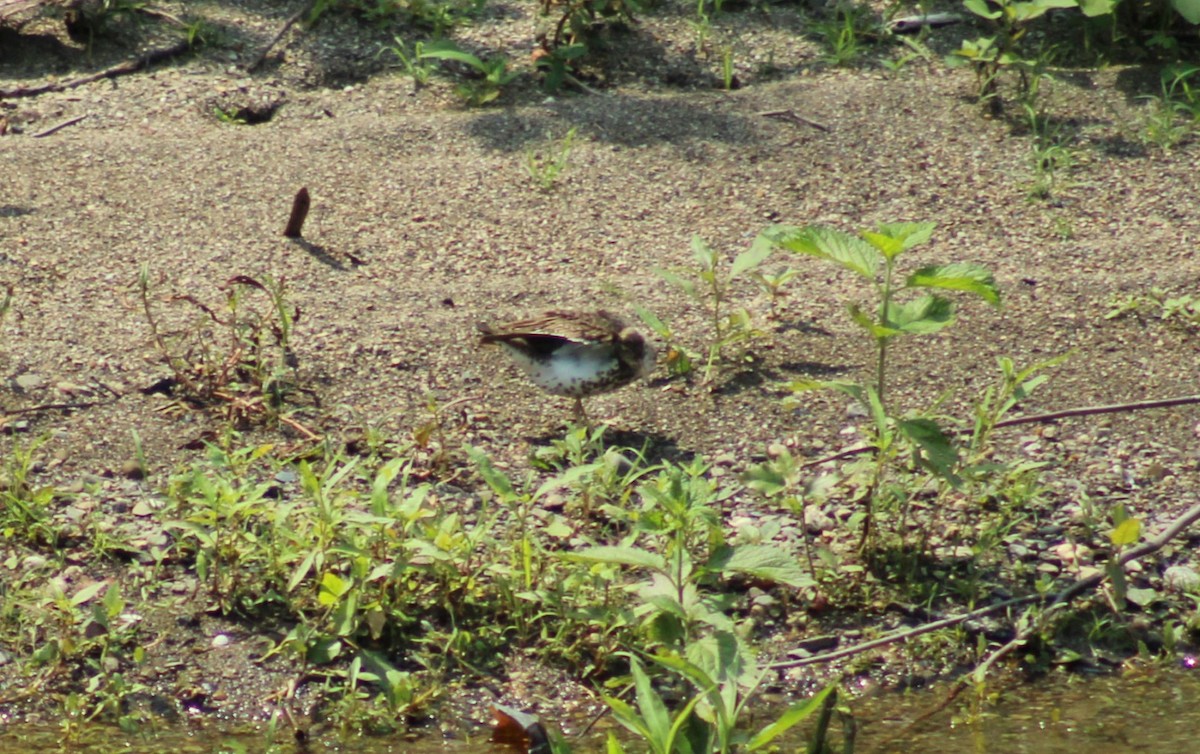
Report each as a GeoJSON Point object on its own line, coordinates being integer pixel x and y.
{"type": "Point", "coordinates": [792, 116]}
{"type": "Point", "coordinates": [120, 69]}
{"type": "Point", "coordinates": [291, 21]}
{"type": "Point", "coordinates": [300, 205]}
{"type": "Point", "coordinates": [59, 127]}
{"type": "Point", "coordinates": [1050, 416]}
{"type": "Point", "coordinates": [905, 635]}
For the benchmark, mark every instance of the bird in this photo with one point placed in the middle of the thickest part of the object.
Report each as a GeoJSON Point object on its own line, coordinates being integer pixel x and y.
{"type": "Point", "coordinates": [574, 354]}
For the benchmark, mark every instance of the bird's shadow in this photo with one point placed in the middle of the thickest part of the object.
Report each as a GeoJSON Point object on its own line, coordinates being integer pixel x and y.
{"type": "Point", "coordinates": [325, 257]}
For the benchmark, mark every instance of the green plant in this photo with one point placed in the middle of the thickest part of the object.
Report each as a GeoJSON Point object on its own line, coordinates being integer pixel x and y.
{"type": "Point", "coordinates": [240, 359]}
{"type": "Point", "coordinates": [411, 61]}
{"type": "Point", "coordinates": [25, 507]}
{"type": "Point", "coordinates": [872, 256]}
{"type": "Point", "coordinates": [1050, 153]}
{"type": "Point", "coordinates": [708, 285]}
{"type": "Point", "coordinates": [684, 551]}
{"type": "Point", "coordinates": [1173, 115]}
{"type": "Point", "coordinates": [557, 63]}
{"type": "Point", "coordinates": [1003, 50]}
{"type": "Point", "coordinates": [772, 284]}
{"type": "Point", "coordinates": [723, 679]}
{"type": "Point", "coordinates": [546, 169]}
{"type": "Point", "coordinates": [579, 17]}
{"type": "Point", "coordinates": [229, 117]}
{"type": "Point", "coordinates": [727, 75]}
{"type": "Point", "coordinates": [843, 35]}
{"type": "Point", "coordinates": [492, 74]}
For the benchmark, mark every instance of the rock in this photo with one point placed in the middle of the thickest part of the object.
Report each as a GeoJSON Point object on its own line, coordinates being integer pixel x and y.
{"type": "Point", "coordinates": [1181, 578]}
{"type": "Point", "coordinates": [29, 381]}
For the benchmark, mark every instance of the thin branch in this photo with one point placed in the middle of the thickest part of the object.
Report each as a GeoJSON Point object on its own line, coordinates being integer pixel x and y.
{"type": "Point", "coordinates": [1049, 416]}
{"type": "Point", "coordinates": [289, 23]}
{"type": "Point", "coordinates": [59, 127]}
{"type": "Point", "coordinates": [904, 635]}
{"type": "Point", "coordinates": [54, 407]}
{"type": "Point", "coordinates": [1114, 408]}
{"type": "Point", "coordinates": [120, 69]}
{"type": "Point", "coordinates": [792, 116]}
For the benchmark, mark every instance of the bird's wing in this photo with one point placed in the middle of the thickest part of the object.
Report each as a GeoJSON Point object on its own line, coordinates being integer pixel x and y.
{"type": "Point", "coordinates": [579, 327]}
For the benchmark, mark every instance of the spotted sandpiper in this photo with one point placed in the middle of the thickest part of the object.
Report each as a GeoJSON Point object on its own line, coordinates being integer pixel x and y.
{"type": "Point", "coordinates": [575, 354]}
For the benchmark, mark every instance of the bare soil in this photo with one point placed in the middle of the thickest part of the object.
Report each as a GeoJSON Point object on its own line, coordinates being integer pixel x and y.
{"type": "Point", "coordinates": [425, 222]}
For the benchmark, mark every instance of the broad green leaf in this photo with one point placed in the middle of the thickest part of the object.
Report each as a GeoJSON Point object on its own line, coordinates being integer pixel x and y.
{"type": "Point", "coordinates": [87, 593]}
{"type": "Point", "coordinates": [865, 321]}
{"type": "Point", "coordinates": [939, 452]}
{"type": "Point", "coordinates": [1027, 11]}
{"type": "Point", "coordinates": [443, 49]}
{"type": "Point", "coordinates": [926, 314]}
{"type": "Point", "coordinates": [650, 705]}
{"type": "Point", "coordinates": [761, 561]}
{"type": "Point", "coordinates": [1142, 596]}
{"type": "Point", "coordinates": [797, 713]}
{"type": "Point", "coordinates": [568, 478]}
{"type": "Point", "coordinates": [981, 8]}
{"type": "Point", "coordinates": [874, 404]}
{"type": "Point", "coordinates": [1094, 8]}
{"type": "Point", "coordinates": [750, 259]}
{"type": "Point", "coordinates": [854, 390]}
{"type": "Point", "coordinates": [615, 554]}
{"type": "Point", "coordinates": [491, 475]}
{"type": "Point", "coordinates": [1126, 533]}
{"type": "Point", "coordinates": [613, 746]}
{"type": "Point", "coordinates": [324, 651]}
{"type": "Point", "coordinates": [961, 276]}
{"type": "Point", "coordinates": [843, 249]}
{"type": "Point", "coordinates": [1189, 9]}
{"type": "Point", "coordinates": [909, 234]}
{"type": "Point", "coordinates": [332, 588]}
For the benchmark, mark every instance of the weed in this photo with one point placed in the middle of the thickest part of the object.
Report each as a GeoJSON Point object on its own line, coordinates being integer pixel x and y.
{"type": "Point", "coordinates": [546, 169]}
{"type": "Point", "coordinates": [1182, 311]}
{"type": "Point", "coordinates": [843, 36]}
{"type": "Point", "coordinates": [411, 62]}
{"type": "Point", "coordinates": [557, 64]}
{"type": "Point", "coordinates": [579, 17]}
{"type": "Point", "coordinates": [492, 74]}
{"type": "Point", "coordinates": [678, 518]}
{"type": "Point", "coordinates": [922, 314]}
{"type": "Point", "coordinates": [1174, 115]}
{"type": "Point", "coordinates": [773, 286]}
{"type": "Point", "coordinates": [241, 359]}
{"type": "Point", "coordinates": [433, 15]}
{"type": "Point", "coordinates": [724, 680]}
{"type": "Point", "coordinates": [1010, 21]}
{"type": "Point", "coordinates": [24, 507]}
{"type": "Point", "coordinates": [708, 286]}
{"type": "Point", "coordinates": [1050, 153]}
{"type": "Point", "coordinates": [229, 117]}
{"type": "Point", "coordinates": [727, 71]}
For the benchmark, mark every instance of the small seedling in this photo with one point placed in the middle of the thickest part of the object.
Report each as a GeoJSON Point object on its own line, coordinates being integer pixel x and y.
{"type": "Point", "coordinates": [411, 62]}
{"type": "Point", "coordinates": [546, 169]}
{"type": "Point", "coordinates": [708, 285]}
{"type": "Point", "coordinates": [493, 72]}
